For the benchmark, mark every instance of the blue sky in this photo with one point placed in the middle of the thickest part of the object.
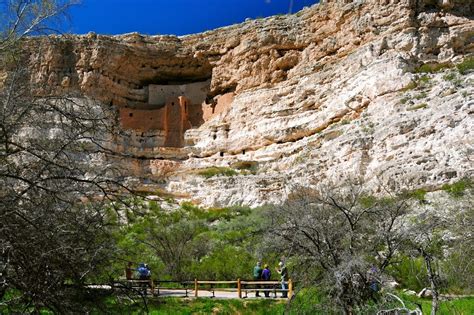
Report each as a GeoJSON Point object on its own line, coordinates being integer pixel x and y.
{"type": "Point", "coordinates": [177, 17]}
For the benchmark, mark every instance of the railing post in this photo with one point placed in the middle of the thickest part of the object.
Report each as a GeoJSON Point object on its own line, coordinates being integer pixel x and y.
{"type": "Point", "coordinates": [195, 288]}
{"type": "Point", "coordinates": [152, 286]}
{"type": "Point", "coordinates": [239, 288]}
{"type": "Point", "coordinates": [290, 288]}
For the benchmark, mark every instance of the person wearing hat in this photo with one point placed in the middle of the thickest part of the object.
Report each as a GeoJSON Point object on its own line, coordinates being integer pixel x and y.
{"type": "Point", "coordinates": [266, 275]}
{"type": "Point", "coordinates": [283, 272]}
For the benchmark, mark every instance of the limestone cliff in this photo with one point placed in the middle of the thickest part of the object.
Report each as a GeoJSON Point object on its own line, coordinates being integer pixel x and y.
{"type": "Point", "coordinates": [330, 92]}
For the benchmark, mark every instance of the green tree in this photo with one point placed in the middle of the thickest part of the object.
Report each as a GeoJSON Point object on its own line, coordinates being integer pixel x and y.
{"type": "Point", "coordinates": [175, 237]}
{"type": "Point", "coordinates": [339, 239]}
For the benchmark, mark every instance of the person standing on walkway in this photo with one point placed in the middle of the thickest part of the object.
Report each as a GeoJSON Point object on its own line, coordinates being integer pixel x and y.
{"type": "Point", "coordinates": [283, 272]}
{"type": "Point", "coordinates": [266, 275]}
{"type": "Point", "coordinates": [144, 274]}
{"type": "Point", "coordinates": [129, 271]}
{"type": "Point", "coordinates": [257, 276]}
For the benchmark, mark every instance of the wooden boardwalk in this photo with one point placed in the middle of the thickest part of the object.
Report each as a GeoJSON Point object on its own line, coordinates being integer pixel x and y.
{"type": "Point", "coordinates": [229, 289]}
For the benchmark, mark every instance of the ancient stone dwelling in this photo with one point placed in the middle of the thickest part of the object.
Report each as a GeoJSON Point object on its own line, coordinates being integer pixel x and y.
{"type": "Point", "coordinates": [170, 111]}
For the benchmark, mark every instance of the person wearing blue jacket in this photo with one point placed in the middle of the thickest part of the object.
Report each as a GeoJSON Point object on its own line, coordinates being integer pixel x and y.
{"type": "Point", "coordinates": [266, 275]}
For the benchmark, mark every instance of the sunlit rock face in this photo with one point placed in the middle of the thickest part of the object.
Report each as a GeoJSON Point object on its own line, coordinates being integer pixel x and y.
{"type": "Point", "coordinates": [316, 97]}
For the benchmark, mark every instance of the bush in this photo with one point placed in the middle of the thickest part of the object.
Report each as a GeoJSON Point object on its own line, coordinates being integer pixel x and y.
{"type": "Point", "coordinates": [214, 214]}
{"type": "Point", "coordinates": [459, 270]}
{"type": "Point", "coordinates": [410, 273]}
{"type": "Point", "coordinates": [217, 171]}
{"type": "Point", "coordinates": [404, 100]}
{"type": "Point", "coordinates": [450, 76]}
{"type": "Point", "coordinates": [421, 95]}
{"type": "Point", "coordinates": [419, 106]}
{"type": "Point", "coordinates": [466, 65]}
{"type": "Point", "coordinates": [418, 194]}
{"type": "Point", "coordinates": [251, 166]}
{"type": "Point", "coordinates": [424, 79]}
{"type": "Point", "coordinates": [226, 262]}
{"type": "Point", "coordinates": [433, 67]}
{"type": "Point", "coordinates": [457, 189]}
{"type": "Point", "coordinates": [410, 86]}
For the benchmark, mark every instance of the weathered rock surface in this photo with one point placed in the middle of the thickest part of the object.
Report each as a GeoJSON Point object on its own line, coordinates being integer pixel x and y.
{"type": "Point", "coordinates": [317, 96]}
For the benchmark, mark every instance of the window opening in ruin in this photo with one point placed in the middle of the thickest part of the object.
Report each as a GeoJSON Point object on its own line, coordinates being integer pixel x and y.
{"type": "Point", "coordinates": [221, 154]}
{"type": "Point", "coordinates": [243, 152]}
{"type": "Point", "coordinates": [214, 136]}
{"type": "Point", "coordinates": [172, 103]}
{"type": "Point", "coordinates": [130, 115]}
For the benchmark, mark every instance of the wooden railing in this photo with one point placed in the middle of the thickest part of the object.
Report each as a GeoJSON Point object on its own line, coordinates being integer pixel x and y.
{"type": "Point", "coordinates": [238, 286]}
{"type": "Point", "coordinates": [242, 286]}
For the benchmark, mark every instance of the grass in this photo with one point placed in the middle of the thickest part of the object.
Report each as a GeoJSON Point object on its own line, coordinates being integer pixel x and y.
{"type": "Point", "coordinates": [457, 189]}
{"type": "Point", "coordinates": [418, 194]}
{"type": "Point", "coordinates": [458, 306]}
{"type": "Point", "coordinates": [450, 76]}
{"type": "Point", "coordinates": [466, 65]}
{"type": "Point", "coordinates": [410, 86]}
{"type": "Point", "coordinates": [433, 67]}
{"type": "Point", "coordinates": [419, 106]}
{"type": "Point", "coordinates": [420, 81]}
{"type": "Point", "coordinates": [421, 95]}
{"type": "Point", "coordinates": [203, 306]}
{"type": "Point", "coordinates": [249, 166]}
{"type": "Point", "coordinates": [404, 100]}
{"type": "Point", "coordinates": [299, 306]}
{"type": "Point", "coordinates": [217, 171]}
{"type": "Point", "coordinates": [424, 79]}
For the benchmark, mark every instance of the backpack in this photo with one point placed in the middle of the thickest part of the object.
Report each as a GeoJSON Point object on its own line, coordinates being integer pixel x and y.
{"type": "Point", "coordinates": [143, 271]}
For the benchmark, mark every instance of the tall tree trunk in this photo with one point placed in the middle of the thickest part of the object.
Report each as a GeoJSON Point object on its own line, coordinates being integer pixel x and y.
{"type": "Point", "coordinates": [433, 282]}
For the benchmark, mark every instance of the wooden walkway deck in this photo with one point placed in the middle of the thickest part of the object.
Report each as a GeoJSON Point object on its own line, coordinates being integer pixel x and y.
{"type": "Point", "coordinates": [227, 289]}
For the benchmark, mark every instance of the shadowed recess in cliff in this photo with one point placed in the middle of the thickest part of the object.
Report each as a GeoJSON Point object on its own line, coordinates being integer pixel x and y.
{"type": "Point", "coordinates": [171, 109]}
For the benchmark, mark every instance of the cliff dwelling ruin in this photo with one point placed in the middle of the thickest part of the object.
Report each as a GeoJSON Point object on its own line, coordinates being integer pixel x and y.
{"type": "Point", "coordinates": [170, 111]}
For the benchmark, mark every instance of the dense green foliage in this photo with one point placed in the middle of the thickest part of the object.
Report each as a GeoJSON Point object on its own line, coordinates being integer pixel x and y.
{"type": "Point", "coordinates": [188, 242]}
{"type": "Point", "coordinates": [466, 65]}
{"type": "Point", "coordinates": [191, 242]}
{"type": "Point", "coordinates": [184, 242]}
{"type": "Point", "coordinates": [457, 189]}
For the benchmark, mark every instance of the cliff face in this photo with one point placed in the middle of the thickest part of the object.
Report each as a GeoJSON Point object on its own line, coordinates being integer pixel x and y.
{"type": "Point", "coordinates": [328, 93]}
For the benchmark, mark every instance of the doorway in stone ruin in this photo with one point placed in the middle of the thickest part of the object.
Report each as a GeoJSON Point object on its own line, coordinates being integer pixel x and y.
{"type": "Point", "coordinates": [175, 122]}
{"type": "Point", "coordinates": [169, 110]}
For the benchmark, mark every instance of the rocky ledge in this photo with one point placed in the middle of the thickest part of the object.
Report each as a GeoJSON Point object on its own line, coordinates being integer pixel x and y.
{"type": "Point", "coordinates": [245, 113]}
